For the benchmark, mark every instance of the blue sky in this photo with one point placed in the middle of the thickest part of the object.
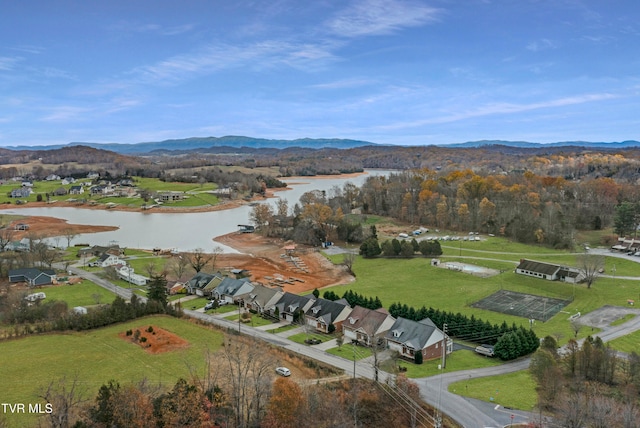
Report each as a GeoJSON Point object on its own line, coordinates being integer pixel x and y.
{"type": "Point", "coordinates": [386, 71]}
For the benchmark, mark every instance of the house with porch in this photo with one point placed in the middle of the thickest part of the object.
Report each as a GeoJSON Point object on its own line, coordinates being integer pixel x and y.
{"type": "Point", "coordinates": [262, 299]}
{"type": "Point", "coordinates": [233, 290]}
{"type": "Point", "coordinates": [365, 326]}
{"type": "Point", "coordinates": [32, 276]}
{"type": "Point", "coordinates": [199, 282]}
{"type": "Point", "coordinates": [409, 337]}
{"type": "Point", "coordinates": [291, 307]}
{"type": "Point", "coordinates": [324, 313]}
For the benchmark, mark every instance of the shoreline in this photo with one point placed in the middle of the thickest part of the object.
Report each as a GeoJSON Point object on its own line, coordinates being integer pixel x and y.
{"type": "Point", "coordinates": [223, 205]}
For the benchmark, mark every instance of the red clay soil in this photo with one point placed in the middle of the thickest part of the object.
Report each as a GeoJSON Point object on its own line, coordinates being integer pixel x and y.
{"type": "Point", "coordinates": [158, 341]}
{"type": "Point", "coordinates": [43, 227]}
{"type": "Point", "coordinates": [263, 258]}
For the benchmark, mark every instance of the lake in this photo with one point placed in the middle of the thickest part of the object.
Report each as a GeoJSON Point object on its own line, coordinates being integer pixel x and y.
{"type": "Point", "coordinates": [179, 231]}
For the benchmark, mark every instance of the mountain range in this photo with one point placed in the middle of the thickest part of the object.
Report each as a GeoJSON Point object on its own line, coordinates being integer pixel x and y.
{"type": "Point", "coordinates": [195, 143]}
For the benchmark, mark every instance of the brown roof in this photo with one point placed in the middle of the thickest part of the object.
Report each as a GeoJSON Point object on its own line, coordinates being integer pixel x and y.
{"type": "Point", "coordinates": [365, 319]}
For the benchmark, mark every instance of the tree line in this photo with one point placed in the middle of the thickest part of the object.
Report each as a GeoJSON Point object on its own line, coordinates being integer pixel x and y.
{"type": "Point", "coordinates": [526, 207]}
{"type": "Point", "coordinates": [355, 299]}
{"type": "Point", "coordinates": [239, 389]}
{"type": "Point", "coordinates": [45, 316]}
{"type": "Point", "coordinates": [587, 385]}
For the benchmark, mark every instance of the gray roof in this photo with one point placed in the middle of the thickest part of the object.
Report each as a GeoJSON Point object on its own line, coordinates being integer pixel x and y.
{"type": "Point", "coordinates": [233, 287]}
{"type": "Point", "coordinates": [326, 310]}
{"type": "Point", "coordinates": [200, 280]}
{"type": "Point", "coordinates": [34, 276]}
{"type": "Point", "coordinates": [261, 295]}
{"type": "Point", "coordinates": [290, 302]}
{"type": "Point", "coordinates": [539, 267]}
{"type": "Point", "coordinates": [413, 334]}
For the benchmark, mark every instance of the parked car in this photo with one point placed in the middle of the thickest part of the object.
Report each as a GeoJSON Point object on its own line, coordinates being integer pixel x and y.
{"type": "Point", "coordinates": [283, 371]}
{"type": "Point", "coordinates": [485, 350]}
{"type": "Point", "coordinates": [210, 305]}
{"type": "Point", "coordinates": [222, 302]}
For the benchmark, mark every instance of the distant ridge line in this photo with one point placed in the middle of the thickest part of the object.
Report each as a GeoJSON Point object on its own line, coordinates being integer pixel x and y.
{"type": "Point", "coordinates": [232, 141]}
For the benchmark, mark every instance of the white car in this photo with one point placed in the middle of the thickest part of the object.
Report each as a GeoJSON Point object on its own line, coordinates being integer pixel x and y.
{"type": "Point", "coordinates": [283, 371]}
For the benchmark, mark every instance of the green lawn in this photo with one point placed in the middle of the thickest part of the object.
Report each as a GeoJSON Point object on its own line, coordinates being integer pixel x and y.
{"type": "Point", "coordinates": [515, 390]}
{"type": "Point", "coordinates": [84, 294]}
{"type": "Point", "coordinates": [350, 352]}
{"type": "Point", "coordinates": [417, 283]}
{"type": "Point", "coordinates": [301, 337]}
{"type": "Point", "coordinates": [629, 343]}
{"type": "Point", "coordinates": [162, 186]}
{"type": "Point", "coordinates": [256, 320]}
{"type": "Point", "coordinates": [456, 361]}
{"type": "Point", "coordinates": [283, 328]}
{"type": "Point", "coordinates": [27, 365]}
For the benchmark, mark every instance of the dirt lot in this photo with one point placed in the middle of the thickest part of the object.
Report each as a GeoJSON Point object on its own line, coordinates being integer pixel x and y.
{"type": "Point", "coordinates": [264, 258]}
{"type": "Point", "coordinates": [157, 341]}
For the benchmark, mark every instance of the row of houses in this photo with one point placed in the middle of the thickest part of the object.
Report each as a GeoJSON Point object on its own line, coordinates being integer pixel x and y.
{"type": "Point", "coordinates": [359, 325]}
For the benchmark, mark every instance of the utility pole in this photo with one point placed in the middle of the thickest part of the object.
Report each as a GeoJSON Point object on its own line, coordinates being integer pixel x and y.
{"type": "Point", "coordinates": [354, 361]}
{"type": "Point", "coordinates": [444, 345]}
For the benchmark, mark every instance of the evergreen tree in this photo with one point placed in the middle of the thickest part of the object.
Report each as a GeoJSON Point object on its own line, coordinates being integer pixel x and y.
{"type": "Point", "coordinates": [158, 290]}
{"type": "Point", "coordinates": [397, 247]}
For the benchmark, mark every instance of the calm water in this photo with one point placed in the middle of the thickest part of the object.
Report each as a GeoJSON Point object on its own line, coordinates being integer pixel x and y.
{"type": "Point", "coordinates": [180, 231]}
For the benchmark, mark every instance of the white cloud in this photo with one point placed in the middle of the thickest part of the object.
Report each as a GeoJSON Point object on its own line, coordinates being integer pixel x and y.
{"type": "Point", "coordinates": [501, 108]}
{"type": "Point", "coordinates": [377, 17]}
{"type": "Point", "coordinates": [132, 27]}
{"type": "Point", "coordinates": [64, 113]}
{"type": "Point", "coordinates": [344, 83]}
{"type": "Point", "coordinates": [8, 63]}
{"type": "Point", "coordinates": [221, 57]}
{"type": "Point", "coordinates": [541, 45]}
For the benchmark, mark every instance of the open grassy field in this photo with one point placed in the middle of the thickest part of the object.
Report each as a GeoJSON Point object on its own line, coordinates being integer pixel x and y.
{"type": "Point", "coordinates": [629, 343]}
{"type": "Point", "coordinates": [515, 390]}
{"type": "Point", "coordinates": [27, 365]}
{"type": "Point", "coordinates": [459, 360]}
{"type": "Point", "coordinates": [84, 294]}
{"type": "Point", "coordinates": [417, 283]}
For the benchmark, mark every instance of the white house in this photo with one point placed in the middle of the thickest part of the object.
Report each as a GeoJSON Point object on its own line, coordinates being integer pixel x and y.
{"type": "Point", "coordinates": [126, 273]}
{"type": "Point", "coordinates": [107, 260]}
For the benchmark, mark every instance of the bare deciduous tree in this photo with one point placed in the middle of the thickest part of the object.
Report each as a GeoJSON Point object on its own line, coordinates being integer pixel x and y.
{"type": "Point", "coordinates": [66, 399]}
{"type": "Point", "coordinates": [199, 259]}
{"type": "Point", "coordinates": [347, 261]}
{"type": "Point", "coordinates": [69, 235]}
{"type": "Point", "coordinates": [249, 372]}
{"type": "Point", "coordinates": [590, 266]}
{"type": "Point", "coordinates": [178, 266]}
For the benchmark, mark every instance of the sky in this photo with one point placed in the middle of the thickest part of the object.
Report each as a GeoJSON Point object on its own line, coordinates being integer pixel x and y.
{"type": "Point", "coordinates": [410, 72]}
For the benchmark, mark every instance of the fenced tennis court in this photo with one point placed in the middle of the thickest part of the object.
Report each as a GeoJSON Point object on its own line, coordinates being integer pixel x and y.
{"type": "Point", "coordinates": [522, 305]}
